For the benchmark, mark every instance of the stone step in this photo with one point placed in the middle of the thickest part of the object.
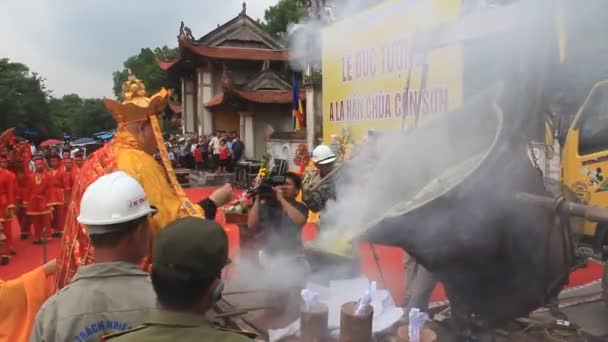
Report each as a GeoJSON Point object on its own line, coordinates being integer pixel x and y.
{"type": "Point", "coordinates": [203, 179]}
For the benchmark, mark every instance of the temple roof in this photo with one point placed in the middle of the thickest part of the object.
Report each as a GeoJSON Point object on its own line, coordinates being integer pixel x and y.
{"type": "Point", "coordinates": [267, 80]}
{"type": "Point", "coordinates": [255, 96]}
{"type": "Point", "coordinates": [241, 38]}
{"type": "Point", "coordinates": [241, 31]}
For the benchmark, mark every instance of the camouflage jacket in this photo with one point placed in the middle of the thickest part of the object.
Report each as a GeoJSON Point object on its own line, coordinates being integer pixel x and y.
{"type": "Point", "coordinates": [316, 198]}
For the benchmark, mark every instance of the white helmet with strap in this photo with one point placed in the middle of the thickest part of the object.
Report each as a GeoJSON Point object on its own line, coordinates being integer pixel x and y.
{"type": "Point", "coordinates": [322, 155]}
{"type": "Point", "coordinates": [112, 199]}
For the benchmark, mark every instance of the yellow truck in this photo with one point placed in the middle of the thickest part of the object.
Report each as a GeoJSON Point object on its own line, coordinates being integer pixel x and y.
{"type": "Point", "coordinates": [584, 167]}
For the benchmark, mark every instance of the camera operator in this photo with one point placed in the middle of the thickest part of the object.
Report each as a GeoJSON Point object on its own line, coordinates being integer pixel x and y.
{"type": "Point", "coordinates": [279, 216]}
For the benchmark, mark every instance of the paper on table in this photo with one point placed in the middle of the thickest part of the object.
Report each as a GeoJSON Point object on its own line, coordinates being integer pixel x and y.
{"type": "Point", "coordinates": [387, 319]}
{"type": "Point", "coordinates": [343, 291]}
{"type": "Point", "coordinates": [291, 330]}
{"type": "Point", "coordinates": [323, 291]}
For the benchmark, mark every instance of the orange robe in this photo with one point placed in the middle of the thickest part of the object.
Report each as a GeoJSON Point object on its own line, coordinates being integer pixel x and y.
{"type": "Point", "coordinates": [20, 300]}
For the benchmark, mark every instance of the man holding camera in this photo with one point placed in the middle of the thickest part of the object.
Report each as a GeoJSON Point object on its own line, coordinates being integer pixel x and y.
{"type": "Point", "coordinates": [280, 217]}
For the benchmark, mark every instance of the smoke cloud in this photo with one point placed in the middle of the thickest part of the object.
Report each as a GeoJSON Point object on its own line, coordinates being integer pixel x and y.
{"type": "Point", "coordinates": [466, 164]}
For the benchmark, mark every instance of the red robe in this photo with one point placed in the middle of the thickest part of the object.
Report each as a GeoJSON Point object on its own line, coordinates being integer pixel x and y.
{"type": "Point", "coordinates": [8, 183]}
{"type": "Point", "coordinates": [56, 183]}
{"type": "Point", "coordinates": [69, 176]}
{"type": "Point", "coordinates": [23, 186]}
{"type": "Point", "coordinates": [38, 195]}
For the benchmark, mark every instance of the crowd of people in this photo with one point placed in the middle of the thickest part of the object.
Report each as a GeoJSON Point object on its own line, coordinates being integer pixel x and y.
{"type": "Point", "coordinates": [35, 190]}
{"type": "Point", "coordinates": [218, 152]}
{"type": "Point", "coordinates": [138, 259]}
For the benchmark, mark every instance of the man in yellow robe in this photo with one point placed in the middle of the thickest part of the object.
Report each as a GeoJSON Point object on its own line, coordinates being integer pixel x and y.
{"type": "Point", "coordinates": [138, 137]}
{"type": "Point", "coordinates": [20, 300]}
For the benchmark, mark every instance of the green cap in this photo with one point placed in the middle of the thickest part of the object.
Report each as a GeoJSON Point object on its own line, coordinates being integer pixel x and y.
{"type": "Point", "coordinates": [190, 247]}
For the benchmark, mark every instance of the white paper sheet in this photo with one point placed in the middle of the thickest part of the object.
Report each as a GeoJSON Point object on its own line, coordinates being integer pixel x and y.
{"type": "Point", "coordinates": [343, 291]}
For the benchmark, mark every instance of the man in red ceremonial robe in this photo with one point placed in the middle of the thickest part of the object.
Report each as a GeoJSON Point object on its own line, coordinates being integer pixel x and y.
{"type": "Point", "coordinates": [22, 173]}
{"type": "Point", "coordinates": [76, 166]}
{"type": "Point", "coordinates": [69, 176]}
{"type": "Point", "coordinates": [56, 176]}
{"type": "Point", "coordinates": [38, 209]}
{"type": "Point", "coordinates": [7, 208]}
{"type": "Point", "coordinates": [19, 159]}
{"type": "Point", "coordinates": [78, 160]}
{"type": "Point", "coordinates": [65, 155]}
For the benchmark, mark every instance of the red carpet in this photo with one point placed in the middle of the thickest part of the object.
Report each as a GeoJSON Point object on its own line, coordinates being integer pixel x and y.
{"type": "Point", "coordinates": [391, 259]}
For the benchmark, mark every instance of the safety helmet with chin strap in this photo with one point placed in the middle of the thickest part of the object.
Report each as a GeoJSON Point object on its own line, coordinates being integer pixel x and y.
{"type": "Point", "coordinates": [322, 155]}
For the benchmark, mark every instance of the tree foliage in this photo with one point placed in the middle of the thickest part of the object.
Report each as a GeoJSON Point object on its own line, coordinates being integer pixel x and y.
{"type": "Point", "coordinates": [23, 98]}
{"type": "Point", "coordinates": [277, 17]}
{"type": "Point", "coordinates": [145, 67]}
{"type": "Point", "coordinates": [27, 105]}
{"type": "Point", "coordinates": [79, 117]}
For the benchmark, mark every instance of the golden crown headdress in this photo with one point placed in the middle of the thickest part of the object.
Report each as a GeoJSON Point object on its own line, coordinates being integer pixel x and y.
{"type": "Point", "coordinates": [136, 105]}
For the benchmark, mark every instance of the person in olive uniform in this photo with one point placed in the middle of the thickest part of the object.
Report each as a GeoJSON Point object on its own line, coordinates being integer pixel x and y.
{"type": "Point", "coordinates": [188, 258]}
{"type": "Point", "coordinates": [316, 196]}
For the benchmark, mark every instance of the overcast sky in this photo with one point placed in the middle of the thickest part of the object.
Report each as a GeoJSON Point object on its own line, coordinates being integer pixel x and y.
{"type": "Point", "coordinates": [77, 44]}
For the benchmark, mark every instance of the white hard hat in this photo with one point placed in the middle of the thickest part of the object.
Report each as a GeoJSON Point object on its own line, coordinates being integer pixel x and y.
{"type": "Point", "coordinates": [111, 199]}
{"type": "Point", "coordinates": [322, 155]}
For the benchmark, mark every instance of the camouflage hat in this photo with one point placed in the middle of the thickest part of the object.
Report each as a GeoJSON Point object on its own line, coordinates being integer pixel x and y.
{"type": "Point", "coordinates": [190, 247]}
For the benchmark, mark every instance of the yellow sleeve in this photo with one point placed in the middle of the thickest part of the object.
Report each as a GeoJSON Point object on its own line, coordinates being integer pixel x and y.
{"type": "Point", "coordinates": [151, 176]}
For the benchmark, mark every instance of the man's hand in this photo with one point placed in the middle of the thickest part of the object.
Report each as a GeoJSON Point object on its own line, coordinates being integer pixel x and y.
{"type": "Point", "coordinates": [279, 191]}
{"type": "Point", "coordinates": [50, 267]}
{"type": "Point", "coordinates": [222, 195]}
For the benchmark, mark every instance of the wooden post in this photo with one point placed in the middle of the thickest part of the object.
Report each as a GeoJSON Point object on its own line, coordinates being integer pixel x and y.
{"type": "Point", "coordinates": [355, 328]}
{"type": "Point", "coordinates": [313, 324]}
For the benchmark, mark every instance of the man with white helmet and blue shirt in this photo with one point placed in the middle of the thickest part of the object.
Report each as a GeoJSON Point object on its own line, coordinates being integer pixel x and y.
{"type": "Point", "coordinates": [112, 294]}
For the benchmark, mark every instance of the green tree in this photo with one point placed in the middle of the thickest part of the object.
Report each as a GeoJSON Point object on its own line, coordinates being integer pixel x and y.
{"type": "Point", "coordinates": [79, 117]}
{"type": "Point", "coordinates": [23, 98]}
{"type": "Point", "coordinates": [145, 67]}
{"type": "Point", "coordinates": [277, 17]}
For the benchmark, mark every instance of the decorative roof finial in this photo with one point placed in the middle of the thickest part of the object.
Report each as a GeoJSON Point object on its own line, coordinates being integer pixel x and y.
{"type": "Point", "coordinates": [244, 11]}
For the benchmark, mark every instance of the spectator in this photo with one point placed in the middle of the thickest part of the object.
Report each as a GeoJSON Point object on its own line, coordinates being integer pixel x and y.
{"type": "Point", "coordinates": [214, 148]}
{"type": "Point", "coordinates": [224, 156]}
{"type": "Point", "coordinates": [237, 149]}
{"type": "Point", "coordinates": [198, 157]}
{"type": "Point", "coordinates": [205, 151]}
{"type": "Point", "coordinates": [230, 140]}
{"type": "Point", "coordinates": [171, 157]}
{"type": "Point", "coordinates": [183, 154]}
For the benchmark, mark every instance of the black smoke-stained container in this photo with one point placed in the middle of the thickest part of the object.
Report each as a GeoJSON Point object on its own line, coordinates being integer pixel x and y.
{"type": "Point", "coordinates": [497, 258]}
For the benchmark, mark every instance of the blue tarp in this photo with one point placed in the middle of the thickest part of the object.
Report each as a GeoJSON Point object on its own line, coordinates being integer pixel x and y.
{"type": "Point", "coordinates": [84, 141]}
{"type": "Point", "coordinates": [106, 136]}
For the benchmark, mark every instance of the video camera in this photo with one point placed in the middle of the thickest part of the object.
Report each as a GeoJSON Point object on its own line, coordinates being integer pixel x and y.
{"type": "Point", "coordinates": [276, 177]}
